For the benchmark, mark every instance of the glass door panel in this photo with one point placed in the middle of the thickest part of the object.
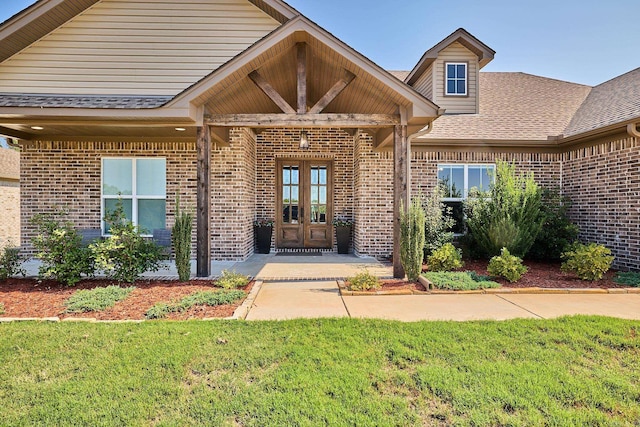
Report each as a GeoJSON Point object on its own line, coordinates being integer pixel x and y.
{"type": "Point", "coordinates": [290, 194]}
{"type": "Point", "coordinates": [318, 189]}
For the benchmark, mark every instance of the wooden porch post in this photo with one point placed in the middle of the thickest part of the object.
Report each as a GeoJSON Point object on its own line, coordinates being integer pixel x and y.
{"type": "Point", "coordinates": [203, 217]}
{"type": "Point", "coordinates": [401, 164]}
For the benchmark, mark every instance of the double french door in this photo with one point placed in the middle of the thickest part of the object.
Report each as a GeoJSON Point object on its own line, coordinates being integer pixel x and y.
{"type": "Point", "coordinates": [304, 203]}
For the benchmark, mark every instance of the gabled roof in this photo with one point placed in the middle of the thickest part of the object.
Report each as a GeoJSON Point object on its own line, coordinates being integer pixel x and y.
{"type": "Point", "coordinates": [513, 107]}
{"type": "Point", "coordinates": [44, 16]}
{"type": "Point", "coordinates": [485, 53]}
{"type": "Point", "coordinates": [612, 102]}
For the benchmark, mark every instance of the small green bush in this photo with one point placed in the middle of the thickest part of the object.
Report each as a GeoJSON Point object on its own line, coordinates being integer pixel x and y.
{"type": "Point", "coordinates": [588, 262]}
{"type": "Point", "coordinates": [363, 281]}
{"type": "Point", "coordinates": [446, 258]}
{"type": "Point", "coordinates": [629, 278]}
{"type": "Point", "coordinates": [211, 298]}
{"type": "Point", "coordinates": [125, 255]}
{"type": "Point", "coordinates": [96, 299]}
{"type": "Point", "coordinates": [478, 277]}
{"type": "Point", "coordinates": [57, 245]}
{"type": "Point", "coordinates": [438, 222]}
{"type": "Point", "coordinates": [457, 281]}
{"type": "Point", "coordinates": [232, 280]}
{"type": "Point", "coordinates": [11, 263]}
{"type": "Point", "coordinates": [181, 237]}
{"type": "Point", "coordinates": [558, 232]}
{"type": "Point", "coordinates": [412, 238]}
{"type": "Point", "coordinates": [506, 265]}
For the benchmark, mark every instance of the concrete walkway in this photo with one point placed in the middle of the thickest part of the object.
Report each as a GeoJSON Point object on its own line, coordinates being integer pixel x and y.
{"type": "Point", "coordinates": [312, 299]}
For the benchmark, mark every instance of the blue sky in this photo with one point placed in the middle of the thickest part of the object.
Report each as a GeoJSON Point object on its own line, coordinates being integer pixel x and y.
{"type": "Point", "coordinates": [583, 41]}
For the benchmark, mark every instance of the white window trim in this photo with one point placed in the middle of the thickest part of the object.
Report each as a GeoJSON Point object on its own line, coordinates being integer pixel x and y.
{"type": "Point", "coordinates": [134, 191]}
{"type": "Point", "coordinates": [466, 79]}
{"type": "Point", "coordinates": [465, 190]}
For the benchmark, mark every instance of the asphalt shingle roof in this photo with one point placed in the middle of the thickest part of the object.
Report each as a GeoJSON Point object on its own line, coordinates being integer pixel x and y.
{"type": "Point", "coordinates": [514, 106]}
{"type": "Point", "coordinates": [75, 101]}
{"type": "Point", "coordinates": [614, 101]}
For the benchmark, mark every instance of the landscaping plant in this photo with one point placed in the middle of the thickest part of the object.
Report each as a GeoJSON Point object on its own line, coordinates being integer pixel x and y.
{"type": "Point", "coordinates": [232, 280]}
{"type": "Point", "coordinates": [11, 262]}
{"type": "Point", "coordinates": [445, 258]}
{"type": "Point", "coordinates": [438, 222]}
{"type": "Point", "coordinates": [458, 281]}
{"type": "Point", "coordinates": [629, 278]}
{"type": "Point", "coordinates": [1, 308]}
{"type": "Point", "coordinates": [412, 238]}
{"type": "Point", "coordinates": [509, 215]}
{"type": "Point", "coordinates": [58, 247]}
{"type": "Point", "coordinates": [96, 299]}
{"type": "Point", "coordinates": [588, 262]}
{"type": "Point", "coordinates": [210, 298]}
{"type": "Point", "coordinates": [506, 265]}
{"type": "Point", "coordinates": [125, 255]}
{"type": "Point", "coordinates": [181, 239]}
{"type": "Point", "coordinates": [363, 281]}
{"type": "Point", "coordinates": [557, 232]}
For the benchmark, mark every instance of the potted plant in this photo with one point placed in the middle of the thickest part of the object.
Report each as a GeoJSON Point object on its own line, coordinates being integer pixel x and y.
{"type": "Point", "coordinates": [263, 229]}
{"type": "Point", "coordinates": [343, 233]}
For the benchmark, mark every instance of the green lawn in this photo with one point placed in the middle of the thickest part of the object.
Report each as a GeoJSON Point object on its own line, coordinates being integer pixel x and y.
{"type": "Point", "coordinates": [571, 371]}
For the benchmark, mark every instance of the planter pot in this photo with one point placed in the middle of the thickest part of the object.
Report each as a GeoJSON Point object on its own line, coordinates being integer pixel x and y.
{"type": "Point", "coordinates": [263, 239]}
{"type": "Point", "coordinates": [343, 235]}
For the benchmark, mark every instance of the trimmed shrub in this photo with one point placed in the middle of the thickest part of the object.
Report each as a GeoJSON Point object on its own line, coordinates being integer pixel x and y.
{"type": "Point", "coordinates": [412, 238]}
{"type": "Point", "coordinates": [363, 281]}
{"type": "Point", "coordinates": [438, 222]}
{"type": "Point", "coordinates": [446, 258]}
{"type": "Point", "coordinates": [231, 280]}
{"type": "Point", "coordinates": [58, 246]}
{"type": "Point", "coordinates": [181, 238]}
{"type": "Point", "coordinates": [557, 232]}
{"type": "Point", "coordinates": [211, 298]}
{"type": "Point", "coordinates": [11, 262]}
{"type": "Point", "coordinates": [478, 277]}
{"type": "Point", "coordinates": [509, 215]}
{"type": "Point", "coordinates": [96, 299]}
{"type": "Point", "coordinates": [457, 281]}
{"type": "Point", "coordinates": [588, 262]}
{"type": "Point", "coordinates": [125, 255]}
{"type": "Point", "coordinates": [506, 265]}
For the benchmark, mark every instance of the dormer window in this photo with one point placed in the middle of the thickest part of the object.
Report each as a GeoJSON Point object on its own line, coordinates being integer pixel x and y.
{"type": "Point", "coordinates": [455, 78]}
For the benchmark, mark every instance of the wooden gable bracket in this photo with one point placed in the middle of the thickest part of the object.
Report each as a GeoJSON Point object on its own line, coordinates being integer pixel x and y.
{"type": "Point", "coordinates": [332, 93]}
{"type": "Point", "coordinates": [271, 92]}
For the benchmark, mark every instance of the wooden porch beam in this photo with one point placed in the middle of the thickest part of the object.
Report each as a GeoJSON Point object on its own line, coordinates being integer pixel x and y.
{"type": "Point", "coordinates": [271, 92]}
{"type": "Point", "coordinates": [220, 135]}
{"type": "Point", "coordinates": [401, 164]}
{"type": "Point", "coordinates": [302, 77]}
{"type": "Point", "coordinates": [332, 93]}
{"type": "Point", "coordinates": [303, 120]}
{"type": "Point", "coordinates": [203, 217]}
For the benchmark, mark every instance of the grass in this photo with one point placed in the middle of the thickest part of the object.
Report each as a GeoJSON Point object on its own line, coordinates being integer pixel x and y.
{"type": "Point", "coordinates": [210, 298]}
{"type": "Point", "coordinates": [459, 281]}
{"type": "Point", "coordinates": [569, 371]}
{"type": "Point", "coordinates": [96, 299]}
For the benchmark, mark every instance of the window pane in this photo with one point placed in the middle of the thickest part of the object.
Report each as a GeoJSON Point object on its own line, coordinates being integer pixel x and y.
{"type": "Point", "coordinates": [117, 177]}
{"type": "Point", "coordinates": [457, 181]}
{"type": "Point", "coordinates": [461, 73]}
{"type": "Point", "coordinates": [323, 176]}
{"type": "Point", "coordinates": [151, 177]}
{"type": "Point", "coordinates": [451, 86]}
{"type": "Point", "coordinates": [314, 195]}
{"type": "Point", "coordinates": [151, 215]}
{"type": "Point", "coordinates": [294, 214]}
{"type": "Point", "coordinates": [475, 179]}
{"type": "Point", "coordinates": [286, 176]}
{"type": "Point", "coordinates": [451, 70]}
{"type": "Point", "coordinates": [110, 206]}
{"type": "Point", "coordinates": [294, 195]}
{"type": "Point", "coordinates": [314, 176]}
{"type": "Point", "coordinates": [461, 87]}
{"type": "Point", "coordinates": [294, 175]}
{"type": "Point", "coordinates": [323, 195]}
{"type": "Point", "coordinates": [286, 194]}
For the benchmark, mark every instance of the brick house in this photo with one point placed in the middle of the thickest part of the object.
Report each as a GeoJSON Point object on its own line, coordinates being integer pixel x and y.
{"type": "Point", "coordinates": [250, 110]}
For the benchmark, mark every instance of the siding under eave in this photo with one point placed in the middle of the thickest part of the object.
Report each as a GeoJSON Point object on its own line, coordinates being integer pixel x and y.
{"type": "Point", "coordinates": [142, 47]}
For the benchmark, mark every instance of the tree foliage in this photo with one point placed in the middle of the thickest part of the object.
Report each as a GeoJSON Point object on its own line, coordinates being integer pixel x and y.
{"type": "Point", "coordinates": [412, 238]}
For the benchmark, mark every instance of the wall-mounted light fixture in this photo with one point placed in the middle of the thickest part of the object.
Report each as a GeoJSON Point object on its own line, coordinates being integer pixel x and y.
{"type": "Point", "coordinates": [37, 127]}
{"type": "Point", "coordinates": [304, 140]}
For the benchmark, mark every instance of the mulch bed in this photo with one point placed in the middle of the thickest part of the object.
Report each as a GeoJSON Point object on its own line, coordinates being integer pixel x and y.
{"type": "Point", "coordinates": [34, 298]}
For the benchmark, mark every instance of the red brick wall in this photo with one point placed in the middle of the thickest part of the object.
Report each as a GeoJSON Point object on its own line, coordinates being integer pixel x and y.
{"type": "Point", "coordinates": [603, 181]}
